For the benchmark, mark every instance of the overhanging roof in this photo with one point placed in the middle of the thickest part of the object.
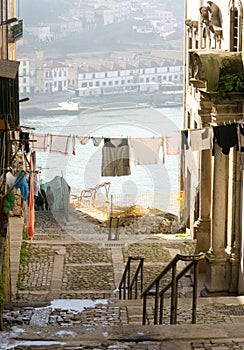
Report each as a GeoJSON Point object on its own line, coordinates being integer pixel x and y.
{"type": "Point", "coordinates": [8, 69]}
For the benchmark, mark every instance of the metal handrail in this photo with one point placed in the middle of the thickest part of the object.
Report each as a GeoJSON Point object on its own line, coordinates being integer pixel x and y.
{"type": "Point", "coordinates": [127, 283]}
{"type": "Point", "coordinates": [154, 288]}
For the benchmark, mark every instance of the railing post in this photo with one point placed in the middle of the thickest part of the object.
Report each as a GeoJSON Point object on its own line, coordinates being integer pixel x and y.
{"type": "Point", "coordinates": [142, 264]}
{"type": "Point", "coordinates": [194, 296]}
{"type": "Point", "coordinates": [128, 279]}
{"type": "Point", "coordinates": [144, 309]}
{"type": "Point", "coordinates": [156, 303]}
{"type": "Point", "coordinates": [161, 308]}
{"type": "Point", "coordinates": [173, 312]}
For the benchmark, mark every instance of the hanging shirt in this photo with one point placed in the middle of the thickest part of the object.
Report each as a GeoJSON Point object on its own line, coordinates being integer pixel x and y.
{"type": "Point", "coordinates": [146, 150]}
{"type": "Point", "coordinates": [59, 144]}
{"type": "Point", "coordinates": [115, 157]}
{"type": "Point", "coordinates": [201, 139]}
{"type": "Point", "coordinates": [226, 137]}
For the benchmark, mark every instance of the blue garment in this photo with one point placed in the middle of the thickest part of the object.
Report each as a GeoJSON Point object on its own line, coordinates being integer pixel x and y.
{"type": "Point", "coordinates": [23, 185]}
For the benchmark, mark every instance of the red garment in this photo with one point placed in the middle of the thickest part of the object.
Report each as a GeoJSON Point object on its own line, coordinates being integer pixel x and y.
{"type": "Point", "coordinates": [31, 216]}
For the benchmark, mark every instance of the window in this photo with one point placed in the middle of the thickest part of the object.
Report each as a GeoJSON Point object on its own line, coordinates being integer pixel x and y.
{"type": "Point", "coordinates": [116, 82]}
{"type": "Point", "coordinates": [97, 83]}
{"type": "Point", "coordinates": [90, 83]}
{"type": "Point", "coordinates": [236, 27]}
{"type": "Point", "coordinates": [122, 82]}
{"type": "Point", "coordinates": [110, 83]}
{"type": "Point", "coordinates": [104, 83]}
{"type": "Point", "coordinates": [84, 85]}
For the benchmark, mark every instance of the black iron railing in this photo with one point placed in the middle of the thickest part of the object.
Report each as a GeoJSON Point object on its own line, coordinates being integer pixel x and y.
{"type": "Point", "coordinates": [158, 292]}
{"type": "Point", "coordinates": [129, 283]}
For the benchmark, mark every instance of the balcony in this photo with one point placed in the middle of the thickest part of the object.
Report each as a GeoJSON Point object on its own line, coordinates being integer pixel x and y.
{"type": "Point", "coordinates": [16, 31]}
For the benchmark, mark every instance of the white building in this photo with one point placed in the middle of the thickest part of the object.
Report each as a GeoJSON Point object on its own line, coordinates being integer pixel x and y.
{"type": "Point", "coordinates": [110, 77]}
{"type": "Point", "coordinates": [51, 77]}
{"type": "Point", "coordinates": [42, 33]}
{"type": "Point", "coordinates": [24, 77]}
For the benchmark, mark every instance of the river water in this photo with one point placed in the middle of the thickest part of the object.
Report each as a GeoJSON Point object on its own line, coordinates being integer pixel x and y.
{"type": "Point", "coordinates": [83, 170]}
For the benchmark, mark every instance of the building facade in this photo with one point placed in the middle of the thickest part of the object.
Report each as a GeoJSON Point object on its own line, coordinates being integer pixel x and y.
{"type": "Point", "coordinates": [141, 76]}
{"type": "Point", "coordinates": [212, 180]}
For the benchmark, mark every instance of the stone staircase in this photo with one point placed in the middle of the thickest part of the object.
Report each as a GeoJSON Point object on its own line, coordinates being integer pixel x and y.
{"type": "Point", "coordinates": [117, 324]}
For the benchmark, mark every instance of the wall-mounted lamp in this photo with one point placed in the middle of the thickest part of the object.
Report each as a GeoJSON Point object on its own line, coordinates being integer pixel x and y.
{"type": "Point", "coordinates": [25, 99]}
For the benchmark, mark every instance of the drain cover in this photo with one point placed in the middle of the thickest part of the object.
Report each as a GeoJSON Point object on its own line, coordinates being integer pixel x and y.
{"type": "Point", "coordinates": [232, 310]}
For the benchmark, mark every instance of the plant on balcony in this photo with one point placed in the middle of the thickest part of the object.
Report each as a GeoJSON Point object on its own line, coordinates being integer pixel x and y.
{"type": "Point", "coordinates": [230, 80]}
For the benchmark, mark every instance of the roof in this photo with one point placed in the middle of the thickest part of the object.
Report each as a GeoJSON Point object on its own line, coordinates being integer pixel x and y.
{"type": "Point", "coordinates": [9, 69]}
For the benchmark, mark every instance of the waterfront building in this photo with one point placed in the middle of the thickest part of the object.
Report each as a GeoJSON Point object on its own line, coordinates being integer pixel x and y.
{"type": "Point", "coordinates": [140, 75]}
{"type": "Point", "coordinates": [212, 181]}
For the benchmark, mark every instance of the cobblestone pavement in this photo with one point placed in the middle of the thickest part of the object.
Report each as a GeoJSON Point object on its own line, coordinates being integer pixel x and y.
{"type": "Point", "coordinates": [64, 263]}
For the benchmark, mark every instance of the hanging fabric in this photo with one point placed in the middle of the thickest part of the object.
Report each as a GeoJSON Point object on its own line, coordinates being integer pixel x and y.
{"type": "Point", "coordinates": [83, 139]}
{"type": "Point", "coordinates": [184, 140]}
{"type": "Point", "coordinates": [226, 137]}
{"type": "Point", "coordinates": [23, 185]}
{"type": "Point", "coordinates": [59, 144]}
{"type": "Point", "coordinates": [240, 136]}
{"type": "Point", "coordinates": [73, 145]}
{"type": "Point", "coordinates": [201, 139]}
{"type": "Point", "coordinates": [173, 144]}
{"type": "Point", "coordinates": [146, 150]}
{"type": "Point", "coordinates": [96, 141]}
{"type": "Point", "coordinates": [115, 157]}
{"type": "Point", "coordinates": [31, 212]}
{"type": "Point", "coordinates": [41, 142]}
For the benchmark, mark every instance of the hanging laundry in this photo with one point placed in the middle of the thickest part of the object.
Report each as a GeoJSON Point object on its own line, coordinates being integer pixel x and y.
{"type": "Point", "coordinates": [83, 139]}
{"type": "Point", "coordinates": [201, 139]}
{"type": "Point", "coordinates": [146, 150]}
{"type": "Point", "coordinates": [240, 136]}
{"type": "Point", "coordinates": [10, 179]}
{"type": "Point", "coordinates": [41, 142]}
{"type": "Point", "coordinates": [173, 144]}
{"type": "Point", "coordinates": [59, 144]}
{"type": "Point", "coordinates": [226, 137]}
{"type": "Point", "coordinates": [23, 185]}
{"type": "Point", "coordinates": [184, 140]}
{"type": "Point", "coordinates": [8, 202]}
{"type": "Point", "coordinates": [73, 145]}
{"type": "Point", "coordinates": [115, 157]}
{"type": "Point", "coordinates": [31, 212]}
{"type": "Point", "coordinates": [96, 141]}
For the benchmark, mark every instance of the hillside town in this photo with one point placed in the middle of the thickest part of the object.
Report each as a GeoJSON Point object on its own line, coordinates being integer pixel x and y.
{"type": "Point", "coordinates": [133, 69]}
